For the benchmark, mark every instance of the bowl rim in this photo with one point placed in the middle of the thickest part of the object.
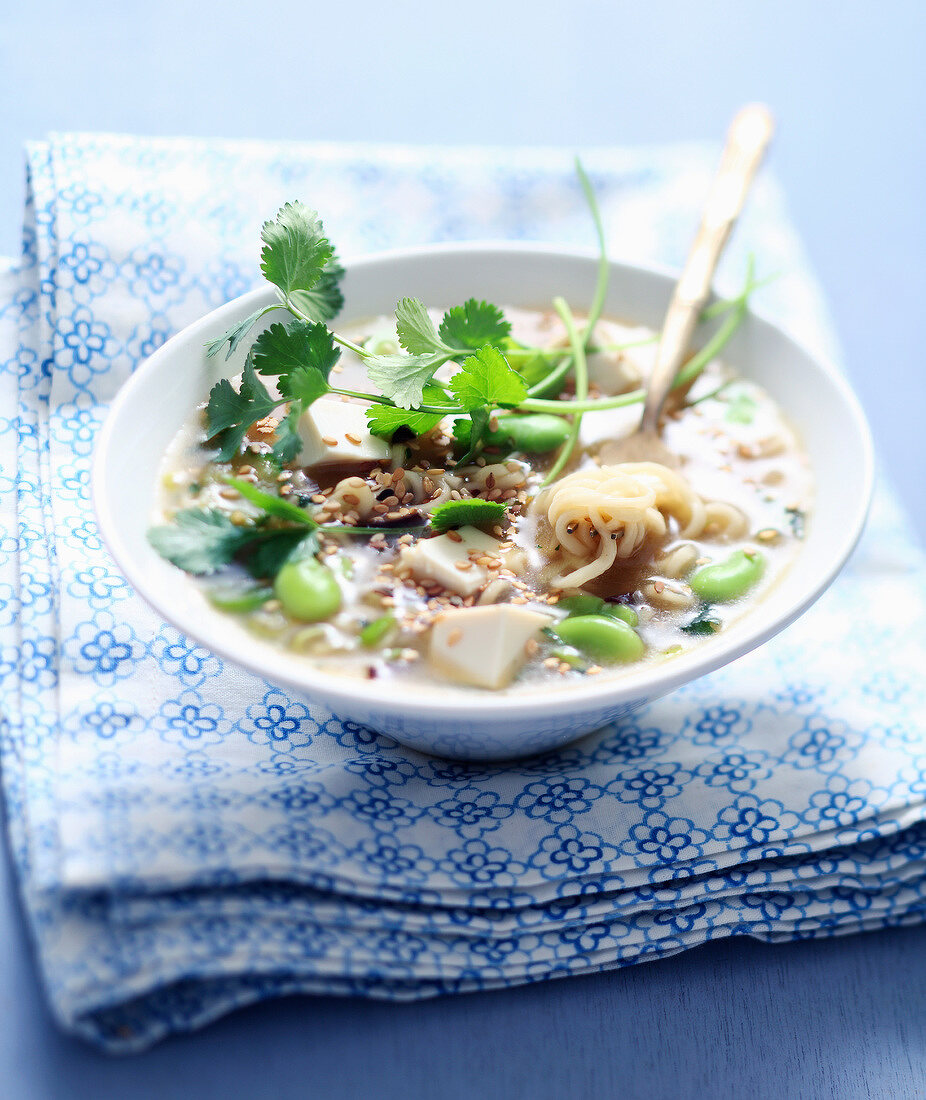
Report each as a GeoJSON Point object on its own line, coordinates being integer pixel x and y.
{"type": "Point", "coordinates": [650, 681]}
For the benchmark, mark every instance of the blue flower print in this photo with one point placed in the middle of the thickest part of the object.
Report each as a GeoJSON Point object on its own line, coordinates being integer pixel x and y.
{"type": "Point", "coordinates": [774, 906]}
{"type": "Point", "coordinates": [735, 769]}
{"type": "Point", "coordinates": [9, 605]}
{"type": "Point", "coordinates": [111, 720]}
{"type": "Point", "coordinates": [382, 810]}
{"type": "Point", "coordinates": [679, 921]}
{"type": "Point", "coordinates": [476, 863]}
{"type": "Point", "coordinates": [85, 270]}
{"type": "Point", "coordinates": [75, 427]}
{"type": "Point", "coordinates": [300, 799]}
{"type": "Point", "coordinates": [570, 851]}
{"type": "Point", "coordinates": [471, 812]}
{"type": "Point", "coordinates": [450, 773]}
{"type": "Point", "coordinates": [885, 686]}
{"type": "Point", "coordinates": [751, 822]}
{"type": "Point", "coordinates": [83, 536]}
{"type": "Point", "coordinates": [207, 842]}
{"type": "Point", "coordinates": [304, 843]}
{"type": "Point", "coordinates": [86, 346]}
{"type": "Point", "coordinates": [717, 723]}
{"type": "Point", "coordinates": [843, 803]}
{"type": "Point", "coordinates": [9, 665]}
{"type": "Point", "coordinates": [224, 279]}
{"type": "Point", "coordinates": [629, 742]}
{"type": "Point", "coordinates": [36, 593]}
{"type": "Point", "coordinates": [104, 649]}
{"type": "Point", "coordinates": [650, 787]}
{"type": "Point", "coordinates": [279, 722]}
{"type": "Point", "coordinates": [402, 946]}
{"type": "Point", "coordinates": [191, 722]}
{"type": "Point", "coordinates": [385, 856]}
{"type": "Point", "coordinates": [193, 767]}
{"type": "Point", "coordinates": [352, 735]}
{"type": "Point", "coordinates": [38, 661]}
{"type": "Point", "coordinates": [558, 800]}
{"type": "Point", "coordinates": [148, 336]}
{"type": "Point", "coordinates": [152, 272]}
{"type": "Point", "coordinates": [382, 770]}
{"type": "Point", "coordinates": [664, 839]}
{"type": "Point", "coordinates": [72, 482]}
{"type": "Point", "coordinates": [81, 202]}
{"type": "Point", "coordinates": [822, 743]}
{"type": "Point", "coordinates": [183, 659]}
{"type": "Point", "coordinates": [588, 938]}
{"type": "Point", "coordinates": [98, 586]}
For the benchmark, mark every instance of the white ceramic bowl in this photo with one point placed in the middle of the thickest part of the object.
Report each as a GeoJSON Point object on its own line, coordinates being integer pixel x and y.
{"type": "Point", "coordinates": [440, 718]}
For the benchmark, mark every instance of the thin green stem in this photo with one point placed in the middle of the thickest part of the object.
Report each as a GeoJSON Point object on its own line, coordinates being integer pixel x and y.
{"type": "Point", "coordinates": [604, 268]}
{"type": "Point", "coordinates": [581, 373]}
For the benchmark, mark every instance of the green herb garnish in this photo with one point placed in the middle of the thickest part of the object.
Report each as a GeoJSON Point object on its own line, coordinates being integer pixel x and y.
{"type": "Point", "coordinates": [466, 513]}
{"type": "Point", "coordinates": [705, 622]}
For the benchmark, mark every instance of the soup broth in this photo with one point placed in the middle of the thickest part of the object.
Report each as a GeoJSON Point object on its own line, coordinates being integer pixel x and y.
{"type": "Point", "coordinates": [610, 566]}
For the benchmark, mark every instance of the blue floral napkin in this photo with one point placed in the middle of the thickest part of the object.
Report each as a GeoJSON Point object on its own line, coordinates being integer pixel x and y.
{"type": "Point", "coordinates": [190, 838]}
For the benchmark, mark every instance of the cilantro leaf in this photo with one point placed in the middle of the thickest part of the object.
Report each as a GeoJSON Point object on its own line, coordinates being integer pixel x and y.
{"type": "Point", "coordinates": [705, 622]}
{"type": "Point", "coordinates": [237, 333]}
{"type": "Point", "coordinates": [282, 348]}
{"type": "Point", "coordinates": [325, 299]}
{"type": "Point", "coordinates": [270, 504]}
{"type": "Point", "coordinates": [304, 385]}
{"type": "Point", "coordinates": [475, 436]}
{"type": "Point", "coordinates": [474, 324]}
{"type": "Point", "coordinates": [466, 513]}
{"type": "Point", "coordinates": [231, 412]}
{"type": "Point", "coordinates": [402, 378]}
{"type": "Point", "coordinates": [416, 330]}
{"type": "Point", "coordinates": [486, 379]}
{"type": "Point", "coordinates": [296, 250]}
{"type": "Point", "coordinates": [385, 420]}
{"type": "Point", "coordinates": [266, 555]}
{"type": "Point", "coordinates": [288, 440]}
{"type": "Point", "coordinates": [199, 541]}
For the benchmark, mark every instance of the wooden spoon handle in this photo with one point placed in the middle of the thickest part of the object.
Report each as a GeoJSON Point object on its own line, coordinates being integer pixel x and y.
{"type": "Point", "coordinates": [748, 138]}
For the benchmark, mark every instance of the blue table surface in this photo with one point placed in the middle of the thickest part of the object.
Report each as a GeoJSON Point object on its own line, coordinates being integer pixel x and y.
{"type": "Point", "coordinates": [836, 1018]}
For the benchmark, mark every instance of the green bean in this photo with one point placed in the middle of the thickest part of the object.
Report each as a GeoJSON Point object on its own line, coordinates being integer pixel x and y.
{"type": "Point", "coordinates": [586, 604]}
{"type": "Point", "coordinates": [601, 637]}
{"type": "Point", "coordinates": [621, 611]}
{"type": "Point", "coordinates": [729, 579]}
{"type": "Point", "coordinates": [246, 597]}
{"type": "Point", "coordinates": [375, 632]}
{"type": "Point", "coordinates": [536, 433]}
{"type": "Point", "coordinates": [582, 604]}
{"type": "Point", "coordinates": [308, 590]}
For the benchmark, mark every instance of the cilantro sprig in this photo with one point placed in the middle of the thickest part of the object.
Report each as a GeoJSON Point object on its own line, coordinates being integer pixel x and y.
{"type": "Point", "coordinates": [484, 369]}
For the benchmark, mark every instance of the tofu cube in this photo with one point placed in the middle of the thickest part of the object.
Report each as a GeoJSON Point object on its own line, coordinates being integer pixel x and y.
{"type": "Point", "coordinates": [484, 646]}
{"type": "Point", "coordinates": [442, 559]}
{"type": "Point", "coordinates": [335, 433]}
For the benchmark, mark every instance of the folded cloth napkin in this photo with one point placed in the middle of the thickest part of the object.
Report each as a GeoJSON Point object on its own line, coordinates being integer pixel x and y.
{"type": "Point", "coordinates": [190, 838]}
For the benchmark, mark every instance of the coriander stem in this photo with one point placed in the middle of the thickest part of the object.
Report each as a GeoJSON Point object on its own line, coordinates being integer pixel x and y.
{"type": "Point", "coordinates": [604, 268]}
{"type": "Point", "coordinates": [581, 373]}
{"type": "Point", "coordinates": [598, 404]}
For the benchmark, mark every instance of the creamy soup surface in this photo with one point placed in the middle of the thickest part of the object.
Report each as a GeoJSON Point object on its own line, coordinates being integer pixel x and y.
{"type": "Point", "coordinates": [611, 566]}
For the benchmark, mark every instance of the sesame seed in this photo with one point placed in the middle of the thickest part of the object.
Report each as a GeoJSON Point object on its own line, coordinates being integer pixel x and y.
{"type": "Point", "coordinates": [454, 536]}
{"type": "Point", "coordinates": [351, 438]}
{"type": "Point", "coordinates": [454, 637]}
{"type": "Point", "coordinates": [329, 441]}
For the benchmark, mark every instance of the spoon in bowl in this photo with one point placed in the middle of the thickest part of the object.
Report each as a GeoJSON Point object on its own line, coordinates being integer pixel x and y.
{"type": "Point", "coordinates": [747, 139]}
